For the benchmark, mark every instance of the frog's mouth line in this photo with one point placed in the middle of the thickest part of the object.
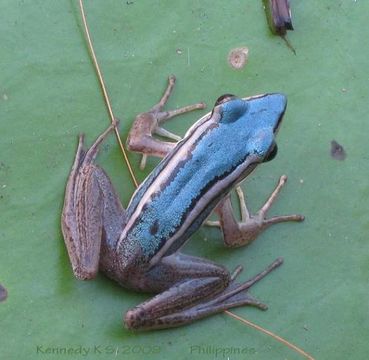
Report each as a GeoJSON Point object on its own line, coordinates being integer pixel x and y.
{"type": "Point", "coordinates": [277, 126]}
{"type": "Point", "coordinates": [272, 153]}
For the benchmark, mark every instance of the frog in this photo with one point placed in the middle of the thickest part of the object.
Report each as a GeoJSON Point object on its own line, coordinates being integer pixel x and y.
{"type": "Point", "coordinates": [140, 247]}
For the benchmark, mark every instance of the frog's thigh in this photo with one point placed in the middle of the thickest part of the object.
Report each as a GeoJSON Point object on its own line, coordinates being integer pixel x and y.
{"type": "Point", "coordinates": [194, 298]}
{"type": "Point", "coordinates": [175, 268]}
{"type": "Point", "coordinates": [182, 281]}
{"type": "Point", "coordinates": [90, 205]}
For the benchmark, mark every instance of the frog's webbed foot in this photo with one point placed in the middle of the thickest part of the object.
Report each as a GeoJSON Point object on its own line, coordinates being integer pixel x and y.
{"type": "Point", "coordinates": [91, 207]}
{"type": "Point", "coordinates": [195, 298]}
{"type": "Point", "coordinates": [140, 138]}
{"type": "Point", "coordinates": [238, 233]}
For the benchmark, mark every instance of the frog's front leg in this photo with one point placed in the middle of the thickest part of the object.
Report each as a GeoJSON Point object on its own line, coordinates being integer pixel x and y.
{"type": "Point", "coordinates": [190, 288]}
{"type": "Point", "coordinates": [239, 233]}
{"type": "Point", "coordinates": [140, 138]}
{"type": "Point", "coordinates": [92, 217]}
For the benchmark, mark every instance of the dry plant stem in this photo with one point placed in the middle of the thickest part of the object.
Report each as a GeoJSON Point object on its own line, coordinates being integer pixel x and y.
{"type": "Point", "coordinates": [105, 93]}
{"type": "Point", "coordinates": [107, 101]}
{"type": "Point", "coordinates": [269, 333]}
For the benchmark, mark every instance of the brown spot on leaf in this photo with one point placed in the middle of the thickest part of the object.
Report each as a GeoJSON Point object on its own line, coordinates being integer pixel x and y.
{"type": "Point", "coordinates": [237, 58]}
{"type": "Point", "coordinates": [337, 151]}
{"type": "Point", "coordinates": [3, 293]}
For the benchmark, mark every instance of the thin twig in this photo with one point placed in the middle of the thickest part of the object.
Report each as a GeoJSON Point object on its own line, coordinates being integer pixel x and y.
{"type": "Point", "coordinates": [108, 104]}
{"type": "Point", "coordinates": [269, 333]}
{"type": "Point", "coordinates": [105, 93]}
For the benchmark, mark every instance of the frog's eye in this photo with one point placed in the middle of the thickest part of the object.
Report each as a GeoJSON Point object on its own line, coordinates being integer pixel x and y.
{"type": "Point", "coordinates": [224, 98]}
{"type": "Point", "coordinates": [272, 153]}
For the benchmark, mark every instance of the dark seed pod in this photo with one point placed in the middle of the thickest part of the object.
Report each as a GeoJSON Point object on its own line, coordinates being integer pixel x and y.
{"type": "Point", "coordinates": [278, 13]}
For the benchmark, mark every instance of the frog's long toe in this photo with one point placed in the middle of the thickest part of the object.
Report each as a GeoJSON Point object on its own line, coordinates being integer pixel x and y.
{"type": "Point", "coordinates": [240, 233]}
{"type": "Point", "coordinates": [236, 294]}
{"type": "Point", "coordinates": [140, 138]}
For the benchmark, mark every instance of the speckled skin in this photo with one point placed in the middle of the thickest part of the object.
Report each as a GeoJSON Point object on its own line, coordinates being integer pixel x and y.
{"type": "Point", "coordinates": [139, 247]}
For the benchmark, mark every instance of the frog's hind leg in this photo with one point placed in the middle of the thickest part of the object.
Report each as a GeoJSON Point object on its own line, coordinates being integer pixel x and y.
{"type": "Point", "coordinates": [140, 138]}
{"type": "Point", "coordinates": [92, 211]}
{"type": "Point", "coordinates": [239, 233]}
{"type": "Point", "coordinates": [191, 288]}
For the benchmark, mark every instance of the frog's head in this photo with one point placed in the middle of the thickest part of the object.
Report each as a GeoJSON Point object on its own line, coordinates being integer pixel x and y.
{"type": "Point", "coordinates": [257, 119]}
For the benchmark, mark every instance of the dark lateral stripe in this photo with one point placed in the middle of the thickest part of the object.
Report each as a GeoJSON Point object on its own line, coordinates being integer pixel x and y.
{"type": "Point", "coordinates": [212, 203]}
{"type": "Point", "coordinates": [189, 152]}
{"type": "Point", "coordinates": [197, 221]}
{"type": "Point", "coordinates": [209, 185]}
{"type": "Point", "coordinates": [161, 169]}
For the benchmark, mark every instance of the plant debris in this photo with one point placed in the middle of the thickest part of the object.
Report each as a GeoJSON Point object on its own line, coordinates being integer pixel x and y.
{"type": "Point", "coordinates": [278, 14]}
